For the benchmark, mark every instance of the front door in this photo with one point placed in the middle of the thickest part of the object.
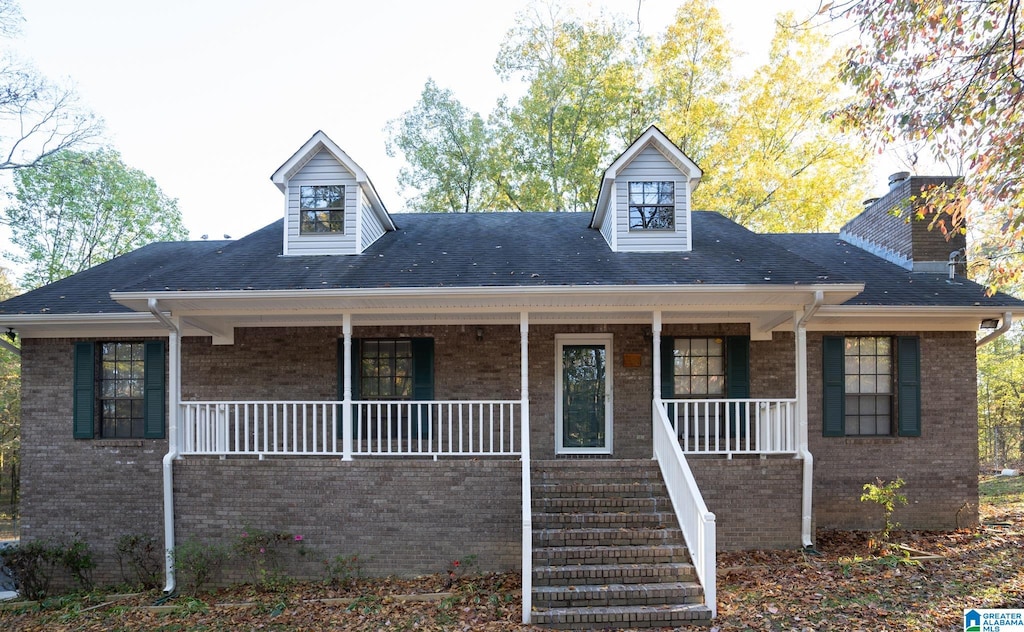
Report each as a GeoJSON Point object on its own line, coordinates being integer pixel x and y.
{"type": "Point", "coordinates": [583, 393]}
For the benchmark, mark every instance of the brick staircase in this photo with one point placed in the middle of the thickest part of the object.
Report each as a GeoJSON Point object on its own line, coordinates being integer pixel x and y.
{"type": "Point", "coordinates": [607, 552]}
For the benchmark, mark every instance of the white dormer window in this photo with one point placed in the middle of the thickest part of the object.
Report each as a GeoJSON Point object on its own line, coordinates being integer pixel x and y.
{"type": "Point", "coordinates": [644, 202]}
{"type": "Point", "coordinates": [652, 205]}
{"type": "Point", "coordinates": [322, 209]}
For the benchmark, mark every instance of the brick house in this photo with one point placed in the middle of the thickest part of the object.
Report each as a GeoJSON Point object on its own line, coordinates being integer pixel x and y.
{"type": "Point", "coordinates": [414, 388]}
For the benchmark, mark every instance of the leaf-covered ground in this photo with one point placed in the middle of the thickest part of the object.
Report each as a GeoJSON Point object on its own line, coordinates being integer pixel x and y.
{"type": "Point", "coordinates": [844, 587]}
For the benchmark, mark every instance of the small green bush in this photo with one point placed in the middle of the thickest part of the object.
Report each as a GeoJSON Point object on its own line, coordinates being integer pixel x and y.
{"type": "Point", "coordinates": [198, 563]}
{"type": "Point", "coordinates": [343, 570]}
{"type": "Point", "coordinates": [885, 495]}
{"type": "Point", "coordinates": [140, 558]}
{"type": "Point", "coordinates": [33, 565]}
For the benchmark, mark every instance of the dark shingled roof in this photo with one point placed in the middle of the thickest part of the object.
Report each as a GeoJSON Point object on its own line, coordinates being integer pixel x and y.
{"type": "Point", "coordinates": [493, 250]}
{"type": "Point", "coordinates": [886, 283]}
{"type": "Point", "coordinates": [497, 250]}
{"type": "Point", "coordinates": [88, 292]}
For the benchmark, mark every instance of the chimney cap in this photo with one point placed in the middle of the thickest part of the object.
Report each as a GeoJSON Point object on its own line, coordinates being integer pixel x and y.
{"type": "Point", "coordinates": [869, 201]}
{"type": "Point", "coordinates": [898, 177]}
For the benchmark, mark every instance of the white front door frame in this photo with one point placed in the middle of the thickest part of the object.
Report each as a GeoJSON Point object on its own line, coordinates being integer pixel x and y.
{"type": "Point", "coordinates": [602, 339]}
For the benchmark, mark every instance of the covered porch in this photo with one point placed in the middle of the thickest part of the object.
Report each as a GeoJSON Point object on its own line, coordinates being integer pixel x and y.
{"type": "Point", "coordinates": [587, 382]}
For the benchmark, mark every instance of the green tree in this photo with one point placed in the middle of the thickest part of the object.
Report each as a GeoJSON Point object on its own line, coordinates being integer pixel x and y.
{"type": "Point", "coordinates": [1001, 401]}
{"type": "Point", "coordinates": [38, 118]}
{"type": "Point", "coordinates": [74, 210]}
{"type": "Point", "coordinates": [946, 78]}
{"type": "Point", "coordinates": [781, 163]}
{"type": "Point", "coordinates": [446, 151]}
{"type": "Point", "coordinates": [693, 90]}
{"type": "Point", "coordinates": [10, 411]}
{"type": "Point", "coordinates": [581, 83]}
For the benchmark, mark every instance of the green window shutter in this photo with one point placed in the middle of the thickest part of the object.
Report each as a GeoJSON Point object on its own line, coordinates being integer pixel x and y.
{"type": "Point", "coordinates": [422, 382]}
{"type": "Point", "coordinates": [737, 367]}
{"type": "Point", "coordinates": [423, 368]}
{"type": "Point", "coordinates": [84, 413]}
{"type": "Point", "coordinates": [737, 380]}
{"type": "Point", "coordinates": [908, 388]}
{"type": "Point", "coordinates": [155, 391]}
{"type": "Point", "coordinates": [668, 367]}
{"type": "Point", "coordinates": [833, 410]}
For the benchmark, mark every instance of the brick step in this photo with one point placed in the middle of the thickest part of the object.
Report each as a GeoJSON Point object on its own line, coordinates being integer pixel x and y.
{"type": "Point", "coordinates": [605, 537]}
{"type": "Point", "coordinates": [605, 519]}
{"type": "Point", "coordinates": [599, 490]}
{"type": "Point", "coordinates": [576, 574]}
{"type": "Point", "coordinates": [616, 617]}
{"type": "Point", "coordinates": [591, 595]}
{"type": "Point", "coordinates": [593, 504]}
{"type": "Point", "coordinates": [612, 471]}
{"type": "Point", "coordinates": [604, 555]}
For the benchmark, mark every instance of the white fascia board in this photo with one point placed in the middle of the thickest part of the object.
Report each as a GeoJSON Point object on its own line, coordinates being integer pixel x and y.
{"type": "Point", "coordinates": [601, 210]}
{"type": "Point", "coordinates": [670, 297]}
{"type": "Point", "coordinates": [78, 325]}
{"type": "Point", "coordinates": [906, 318]}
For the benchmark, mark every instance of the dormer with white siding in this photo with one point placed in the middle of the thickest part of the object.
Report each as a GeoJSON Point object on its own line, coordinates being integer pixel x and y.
{"type": "Point", "coordinates": [331, 207]}
{"type": "Point", "coordinates": [644, 202]}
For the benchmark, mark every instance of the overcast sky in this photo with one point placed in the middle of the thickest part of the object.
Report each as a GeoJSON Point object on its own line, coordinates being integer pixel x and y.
{"type": "Point", "coordinates": [210, 96]}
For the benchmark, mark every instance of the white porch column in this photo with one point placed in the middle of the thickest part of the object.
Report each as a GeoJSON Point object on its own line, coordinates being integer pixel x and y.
{"type": "Point", "coordinates": [656, 355]}
{"type": "Point", "coordinates": [524, 442]}
{"type": "Point", "coordinates": [346, 406]}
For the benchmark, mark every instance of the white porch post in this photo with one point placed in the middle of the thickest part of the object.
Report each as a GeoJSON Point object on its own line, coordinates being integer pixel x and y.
{"type": "Point", "coordinates": [524, 440]}
{"type": "Point", "coordinates": [656, 355]}
{"type": "Point", "coordinates": [346, 406]}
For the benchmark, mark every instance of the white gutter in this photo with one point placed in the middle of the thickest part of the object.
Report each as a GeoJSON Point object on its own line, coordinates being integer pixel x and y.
{"type": "Point", "coordinates": [173, 379]}
{"type": "Point", "coordinates": [802, 451]}
{"type": "Point", "coordinates": [1003, 328]}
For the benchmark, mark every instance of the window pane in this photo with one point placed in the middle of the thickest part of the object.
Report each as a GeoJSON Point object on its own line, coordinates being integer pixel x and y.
{"type": "Point", "coordinates": [716, 385]}
{"type": "Point", "coordinates": [682, 346]}
{"type": "Point", "coordinates": [682, 385]}
{"type": "Point", "coordinates": [699, 385]}
{"type": "Point", "coordinates": [322, 197]}
{"type": "Point", "coordinates": [868, 372]}
{"type": "Point", "coordinates": [714, 346]}
{"type": "Point", "coordinates": [716, 366]}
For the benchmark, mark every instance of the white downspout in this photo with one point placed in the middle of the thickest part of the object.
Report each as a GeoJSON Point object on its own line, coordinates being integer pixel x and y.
{"type": "Point", "coordinates": [173, 395]}
{"type": "Point", "coordinates": [802, 450]}
{"type": "Point", "coordinates": [1005, 327]}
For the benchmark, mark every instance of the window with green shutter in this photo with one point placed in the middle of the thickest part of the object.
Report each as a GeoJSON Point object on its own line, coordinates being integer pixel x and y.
{"type": "Point", "coordinates": [871, 386]}
{"type": "Point", "coordinates": [119, 390]}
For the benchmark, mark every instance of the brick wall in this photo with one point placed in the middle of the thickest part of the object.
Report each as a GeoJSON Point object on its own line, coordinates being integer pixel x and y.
{"type": "Point", "coordinates": [98, 490]}
{"type": "Point", "coordinates": [399, 516]}
{"type": "Point", "coordinates": [940, 467]}
{"type": "Point", "coordinates": [756, 501]}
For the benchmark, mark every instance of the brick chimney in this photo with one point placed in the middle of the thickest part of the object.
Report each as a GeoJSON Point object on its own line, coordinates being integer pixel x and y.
{"type": "Point", "coordinates": [883, 228]}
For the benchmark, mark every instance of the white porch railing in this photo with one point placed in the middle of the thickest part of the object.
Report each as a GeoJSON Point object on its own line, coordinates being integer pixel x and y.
{"type": "Point", "coordinates": [380, 428]}
{"type": "Point", "coordinates": [696, 522]}
{"type": "Point", "coordinates": [734, 426]}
